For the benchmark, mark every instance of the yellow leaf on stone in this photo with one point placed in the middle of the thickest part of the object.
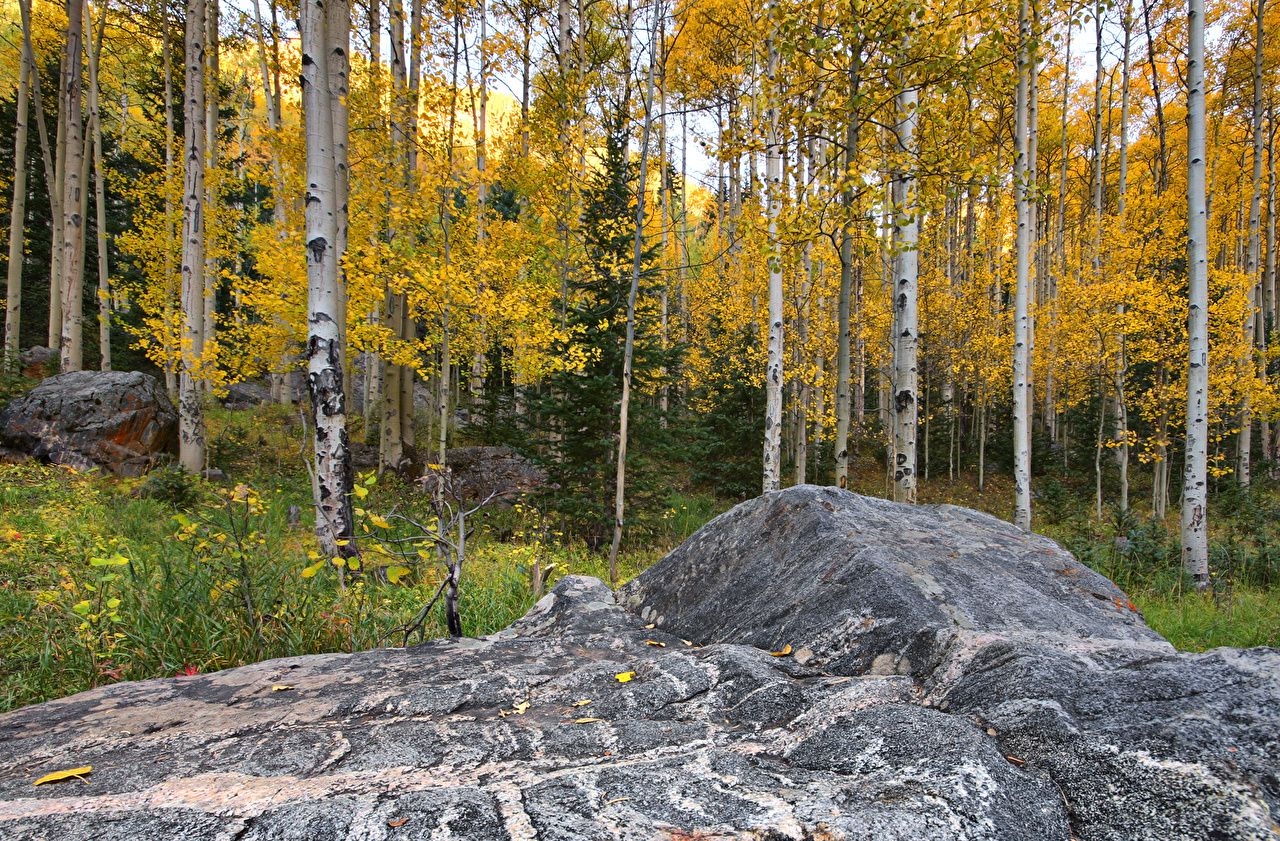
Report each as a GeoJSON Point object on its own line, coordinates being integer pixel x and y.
{"type": "Point", "coordinates": [586, 720]}
{"type": "Point", "coordinates": [281, 687]}
{"type": "Point", "coordinates": [584, 702]}
{"type": "Point", "coordinates": [655, 643]}
{"type": "Point", "coordinates": [520, 708]}
{"type": "Point", "coordinates": [625, 677]}
{"type": "Point", "coordinates": [68, 774]}
{"type": "Point", "coordinates": [783, 652]}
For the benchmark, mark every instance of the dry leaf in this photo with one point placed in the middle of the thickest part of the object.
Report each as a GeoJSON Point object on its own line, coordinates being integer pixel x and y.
{"type": "Point", "coordinates": [581, 703]}
{"type": "Point", "coordinates": [68, 774]}
{"type": "Point", "coordinates": [397, 822]}
{"type": "Point", "coordinates": [649, 627]}
{"type": "Point", "coordinates": [587, 720]}
{"type": "Point", "coordinates": [520, 708]}
{"type": "Point", "coordinates": [1016, 760]}
{"type": "Point", "coordinates": [782, 652]}
{"type": "Point", "coordinates": [655, 643]}
{"type": "Point", "coordinates": [281, 687]}
{"type": "Point", "coordinates": [624, 677]}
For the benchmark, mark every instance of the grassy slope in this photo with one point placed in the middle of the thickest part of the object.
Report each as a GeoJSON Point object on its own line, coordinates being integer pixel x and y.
{"type": "Point", "coordinates": [100, 580]}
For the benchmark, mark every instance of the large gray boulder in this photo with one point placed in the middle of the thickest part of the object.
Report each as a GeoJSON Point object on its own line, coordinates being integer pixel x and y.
{"type": "Point", "coordinates": [1004, 628]}
{"type": "Point", "coordinates": [120, 421]}
{"type": "Point", "coordinates": [1037, 706]}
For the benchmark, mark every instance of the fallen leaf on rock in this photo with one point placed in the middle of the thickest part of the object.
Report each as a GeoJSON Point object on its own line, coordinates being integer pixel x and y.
{"type": "Point", "coordinates": [581, 703]}
{"type": "Point", "coordinates": [1018, 761]}
{"type": "Point", "coordinates": [520, 708]}
{"type": "Point", "coordinates": [68, 774]}
{"type": "Point", "coordinates": [649, 627]}
{"type": "Point", "coordinates": [782, 652]}
{"type": "Point", "coordinates": [587, 720]}
{"type": "Point", "coordinates": [624, 677]}
{"type": "Point", "coordinates": [655, 643]}
{"type": "Point", "coordinates": [281, 687]}
{"type": "Point", "coordinates": [397, 822]}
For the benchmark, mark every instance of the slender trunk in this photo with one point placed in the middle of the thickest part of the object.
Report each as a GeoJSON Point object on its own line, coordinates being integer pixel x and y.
{"type": "Point", "coordinates": [1122, 189]}
{"type": "Point", "coordinates": [212, 204]}
{"type": "Point", "coordinates": [332, 465]}
{"type": "Point", "coordinates": [1022, 318]}
{"type": "Point", "coordinates": [171, 361]}
{"type": "Point", "coordinates": [57, 192]}
{"type": "Point", "coordinates": [71, 342]}
{"type": "Point", "coordinates": [1253, 254]}
{"type": "Point", "coordinates": [338, 41]}
{"type": "Point", "coordinates": [628, 352]}
{"type": "Point", "coordinates": [191, 437]}
{"type": "Point", "coordinates": [844, 329]}
{"type": "Point", "coordinates": [905, 334]}
{"type": "Point", "coordinates": [1195, 536]}
{"type": "Point", "coordinates": [18, 209]}
{"type": "Point", "coordinates": [99, 193]}
{"type": "Point", "coordinates": [773, 371]}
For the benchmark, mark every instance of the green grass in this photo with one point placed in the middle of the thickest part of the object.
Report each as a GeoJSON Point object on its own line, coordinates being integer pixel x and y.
{"type": "Point", "coordinates": [104, 579]}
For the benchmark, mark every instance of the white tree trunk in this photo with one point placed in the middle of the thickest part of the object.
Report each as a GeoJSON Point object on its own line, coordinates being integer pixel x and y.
{"type": "Point", "coordinates": [1253, 254]}
{"type": "Point", "coordinates": [1022, 319]}
{"type": "Point", "coordinates": [18, 209]}
{"type": "Point", "coordinates": [99, 192]}
{"type": "Point", "coordinates": [71, 344]}
{"type": "Point", "coordinates": [1195, 535]}
{"type": "Point", "coordinates": [906, 330]}
{"type": "Point", "coordinates": [208, 327]}
{"type": "Point", "coordinates": [191, 438]}
{"type": "Point", "coordinates": [332, 474]}
{"type": "Point", "coordinates": [773, 371]}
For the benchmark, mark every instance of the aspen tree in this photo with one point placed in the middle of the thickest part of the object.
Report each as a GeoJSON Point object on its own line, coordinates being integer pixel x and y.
{"type": "Point", "coordinates": [17, 209]}
{"type": "Point", "coordinates": [1253, 255]}
{"type": "Point", "coordinates": [906, 293]}
{"type": "Point", "coordinates": [191, 437]}
{"type": "Point", "coordinates": [1195, 535]}
{"type": "Point", "coordinates": [71, 344]}
{"type": "Point", "coordinates": [1022, 317]}
{"type": "Point", "coordinates": [773, 371]}
{"type": "Point", "coordinates": [99, 190]}
{"type": "Point", "coordinates": [332, 465]}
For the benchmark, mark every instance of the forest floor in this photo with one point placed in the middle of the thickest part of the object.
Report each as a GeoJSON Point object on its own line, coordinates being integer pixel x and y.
{"type": "Point", "coordinates": [105, 579]}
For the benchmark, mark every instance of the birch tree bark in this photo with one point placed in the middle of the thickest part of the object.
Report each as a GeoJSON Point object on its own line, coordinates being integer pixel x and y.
{"type": "Point", "coordinates": [1022, 320]}
{"type": "Point", "coordinates": [1253, 253]}
{"type": "Point", "coordinates": [191, 438]}
{"type": "Point", "coordinates": [99, 191]}
{"type": "Point", "coordinates": [773, 371]}
{"type": "Point", "coordinates": [332, 466]}
{"type": "Point", "coordinates": [71, 343]}
{"type": "Point", "coordinates": [906, 295]}
{"type": "Point", "coordinates": [208, 326]}
{"type": "Point", "coordinates": [18, 208]}
{"type": "Point", "coordinates": [844, 328]}
{"type": "Point", "coordinates": [1195, 535]}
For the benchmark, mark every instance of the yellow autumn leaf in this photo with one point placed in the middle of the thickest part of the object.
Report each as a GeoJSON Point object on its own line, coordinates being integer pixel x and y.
{"type": "Point", "coordinates": [587, 720]}
{"type": "Point", "coordinates": [655, 643]}
{"type": "Point", "coordinates": [584, 702]}
{"type": "Point", "coordinates": [281, 687]}
{"type": "Point", "coordinates": [625, 677]}
{"type": "Point", "coordinates": [782, 652]}
{"type": "Point", "coordinates": [379, 521]}
{"type": "Point", "coordinates": [520, 708]}
{"type": "Point", "coordinates": [68, 774]}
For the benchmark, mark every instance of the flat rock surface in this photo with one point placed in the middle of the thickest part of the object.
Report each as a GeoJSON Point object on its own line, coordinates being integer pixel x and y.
{"type": "Point", "coordinates": [121, 421]}
{"type": "Point", "coordinates": [1027, 728]}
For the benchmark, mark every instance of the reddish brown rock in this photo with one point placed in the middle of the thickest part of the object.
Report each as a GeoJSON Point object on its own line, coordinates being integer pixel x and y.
{"type": "Point", "coordinates": [120, 421]}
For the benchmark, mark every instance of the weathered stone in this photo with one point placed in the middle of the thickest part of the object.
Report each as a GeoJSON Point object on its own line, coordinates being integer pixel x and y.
{"type": "Point", "coordinates": [36, 361]}
{"type": "Point", "coordinates": [1031, 708]}
{"type": "Point", "coordinates": [1003, 627]}
{"type": "Point", "coordinates": [118, 420]}
{"type": "Point", "coordinates": [478, 473]}
{"type": "Point", "coordinates": [246, 395]}
{"type": "Point", "coordinates": [399, 743]}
